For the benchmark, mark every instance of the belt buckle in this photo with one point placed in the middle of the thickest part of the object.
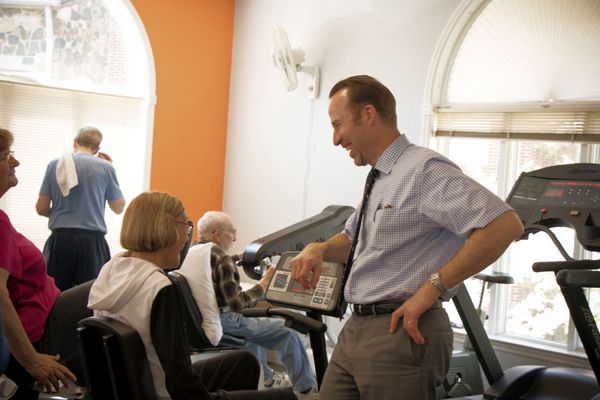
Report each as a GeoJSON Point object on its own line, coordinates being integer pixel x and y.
{"type": "Point", "coordinates": [365, 309]}
{"type": "Point", "coordinates": [360, 309]}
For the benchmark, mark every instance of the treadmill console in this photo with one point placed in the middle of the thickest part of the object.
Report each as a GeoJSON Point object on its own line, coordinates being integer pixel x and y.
{"type": "Point", "coordinates": [561, 195]}
{"type": "Point", "coordinates": [317, 228]}
{"type": "Point", "coordinates": [285, 291]}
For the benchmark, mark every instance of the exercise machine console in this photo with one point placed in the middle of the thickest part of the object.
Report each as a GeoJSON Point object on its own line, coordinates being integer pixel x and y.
{"type": "Point", "coordinates": [317, 228]}
{"type": "Point", "coordinates": [560, 196]}
{"type": "Point", "coordinates": [286, 291]}
{"type": "Point", "coordinates": [282, 291]}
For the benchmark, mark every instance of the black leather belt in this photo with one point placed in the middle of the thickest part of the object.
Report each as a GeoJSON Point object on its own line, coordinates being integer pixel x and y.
{"type": "Point", "coordinates": [363, 310]}
{"type": "Point", "coordinates": [375, 308]}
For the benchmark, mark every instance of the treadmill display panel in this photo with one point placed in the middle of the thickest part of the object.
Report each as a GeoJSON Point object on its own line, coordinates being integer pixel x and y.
{"type": "Point", "coordinates": [571, 193]}
{"type": "Point", "coordinates": [286, 291]}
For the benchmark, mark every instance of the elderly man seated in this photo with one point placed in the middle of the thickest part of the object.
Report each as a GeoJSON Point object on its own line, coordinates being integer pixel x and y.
{"type": "Point", "coordinates": [260, 333]}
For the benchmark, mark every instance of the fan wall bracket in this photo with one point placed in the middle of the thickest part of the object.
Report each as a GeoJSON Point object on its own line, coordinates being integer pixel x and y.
{"type": "Point", "coordinates": [313, 86]}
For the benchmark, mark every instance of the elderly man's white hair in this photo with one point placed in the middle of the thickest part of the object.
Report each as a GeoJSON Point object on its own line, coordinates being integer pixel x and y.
{"type": "Point", "coordinates": [210, 222]}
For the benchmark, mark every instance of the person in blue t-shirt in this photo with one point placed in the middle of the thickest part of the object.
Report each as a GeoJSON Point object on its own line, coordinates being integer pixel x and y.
{"type": "Point", "coordinates": [74, 192]}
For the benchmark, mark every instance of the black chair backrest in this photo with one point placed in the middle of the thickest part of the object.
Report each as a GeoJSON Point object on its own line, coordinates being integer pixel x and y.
{"type": "Point", "coordinates": [114, 360]}
{"type": "Point", "coordinates": [192, 320]}
{"type": "Point", "coordinates": [186, 248]}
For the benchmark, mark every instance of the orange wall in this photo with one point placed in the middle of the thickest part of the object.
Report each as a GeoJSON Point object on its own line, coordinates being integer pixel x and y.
{"type": "Point", "coordinates": [191, 42]}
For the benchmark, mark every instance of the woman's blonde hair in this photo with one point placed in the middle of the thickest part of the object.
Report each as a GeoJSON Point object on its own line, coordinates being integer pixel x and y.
{"type": "Point", "coordinates": [149, 222]}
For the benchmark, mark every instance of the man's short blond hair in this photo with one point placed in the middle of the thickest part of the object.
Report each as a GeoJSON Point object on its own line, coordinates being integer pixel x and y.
{"type": "Point", "coordinates": [90, 137]}
{"type": "Point", "coordinates": [149, 223]}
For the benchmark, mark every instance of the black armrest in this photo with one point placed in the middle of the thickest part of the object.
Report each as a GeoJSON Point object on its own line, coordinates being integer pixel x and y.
{"type": "Point", "coordinates": [294, 320]}
{"type": "Point", "coordinates": [231, 341]}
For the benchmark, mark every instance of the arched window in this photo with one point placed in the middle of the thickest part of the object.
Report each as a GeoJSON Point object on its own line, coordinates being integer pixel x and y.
{"type": "Point", "coordinates": [515, 87]}
{"type": "Point", "coordinates": [63, 65]}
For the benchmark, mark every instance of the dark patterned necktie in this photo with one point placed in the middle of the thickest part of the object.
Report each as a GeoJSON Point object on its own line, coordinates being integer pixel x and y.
{"type": "Point", "coordinates": [341, 306]}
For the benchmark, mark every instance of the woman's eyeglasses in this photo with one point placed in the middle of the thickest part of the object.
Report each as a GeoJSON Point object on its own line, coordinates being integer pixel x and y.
{"type": "Point", "coordinates": [189, 225]}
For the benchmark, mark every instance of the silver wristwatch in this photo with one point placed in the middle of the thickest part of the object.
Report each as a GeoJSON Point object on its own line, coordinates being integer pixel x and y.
{"type": "Point", "coordinates": [436, 281]}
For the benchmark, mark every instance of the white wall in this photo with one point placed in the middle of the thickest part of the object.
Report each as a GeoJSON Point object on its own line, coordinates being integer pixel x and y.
{"type": "Point", "coordinates": [281, 165]}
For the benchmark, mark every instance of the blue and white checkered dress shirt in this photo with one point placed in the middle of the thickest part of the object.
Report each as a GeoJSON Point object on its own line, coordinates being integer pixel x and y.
{"type": "Point", "coordinates": [421, 210]}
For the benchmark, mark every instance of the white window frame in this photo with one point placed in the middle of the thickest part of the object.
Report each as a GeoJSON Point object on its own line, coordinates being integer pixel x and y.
{"type": "Point", "coordinates": [435, 100]}
{"type": "Point", "coordinates": [145, 92]}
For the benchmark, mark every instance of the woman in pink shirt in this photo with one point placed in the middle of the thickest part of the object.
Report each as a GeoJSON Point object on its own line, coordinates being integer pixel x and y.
{"type": "Point", "coordinates": [39, 321]}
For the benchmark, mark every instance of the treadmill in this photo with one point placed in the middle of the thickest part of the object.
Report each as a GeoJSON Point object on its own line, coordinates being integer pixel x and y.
{"type": "Point", "coordinates": [557, 196]}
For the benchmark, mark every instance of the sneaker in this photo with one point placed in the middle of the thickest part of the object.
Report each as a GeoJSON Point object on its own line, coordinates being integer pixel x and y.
{"type": "Point", "coordinates": [311, 394]}
{"type": "Point", "coordinates": [278, 380]}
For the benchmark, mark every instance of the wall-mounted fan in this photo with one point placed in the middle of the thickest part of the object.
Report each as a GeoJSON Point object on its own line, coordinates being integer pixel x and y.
{"type": "Point", "coordinates": [288, 63]}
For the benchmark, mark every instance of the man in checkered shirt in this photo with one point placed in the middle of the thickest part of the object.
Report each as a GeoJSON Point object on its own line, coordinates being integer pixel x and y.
{"type": "Point", "coordinates": [426, 228]}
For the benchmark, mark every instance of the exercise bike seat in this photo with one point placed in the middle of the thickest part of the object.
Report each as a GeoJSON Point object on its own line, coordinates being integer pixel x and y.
{"type": "Point", "coordinates": [495, 277]}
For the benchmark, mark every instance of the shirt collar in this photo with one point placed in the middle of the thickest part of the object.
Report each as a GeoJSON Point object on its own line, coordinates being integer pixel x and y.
{"type": "Point", "coordinates": [390, 155]}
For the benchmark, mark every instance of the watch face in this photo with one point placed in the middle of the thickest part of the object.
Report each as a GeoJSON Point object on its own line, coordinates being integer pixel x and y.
{"type": "Point", "coordinates": [435, 280]}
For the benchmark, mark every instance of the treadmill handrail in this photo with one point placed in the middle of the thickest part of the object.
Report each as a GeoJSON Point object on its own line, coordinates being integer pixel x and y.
{"type": "Point", "coordinates": [542, 228]}
{"type": "Point", "coordinates": [556, 266]}
{"type": "Point", "coordinates": [569, 278]}
{"type": "Point", "coordinates": [572, 276]}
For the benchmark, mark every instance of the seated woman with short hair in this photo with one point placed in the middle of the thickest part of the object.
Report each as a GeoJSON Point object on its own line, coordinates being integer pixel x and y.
{"type": "Point", "coordinates": [39, 321]}
{"type": "Point", "coordinates": [133, 288]}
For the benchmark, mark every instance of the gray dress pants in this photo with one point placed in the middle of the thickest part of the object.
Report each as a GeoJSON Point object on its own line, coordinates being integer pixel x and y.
{"type": "Point", "coordinates": [369, 363]}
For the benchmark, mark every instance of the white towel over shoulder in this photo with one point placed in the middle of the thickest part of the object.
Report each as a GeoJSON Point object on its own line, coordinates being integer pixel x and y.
{"type": "Point", "coordinates": [66, 174]}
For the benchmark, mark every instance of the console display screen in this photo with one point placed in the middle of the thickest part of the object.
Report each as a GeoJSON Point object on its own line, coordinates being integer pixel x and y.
{"type": "Point", "coordinates": [554, 193]}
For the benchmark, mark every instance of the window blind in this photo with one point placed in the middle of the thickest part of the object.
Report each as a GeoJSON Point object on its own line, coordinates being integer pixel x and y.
{"type": "Point", "coordinates": [573, 126]}
{"type": "Point", "coordinates": [44, 122]}
{"type": "Point", "coordinates": [525, 70]}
